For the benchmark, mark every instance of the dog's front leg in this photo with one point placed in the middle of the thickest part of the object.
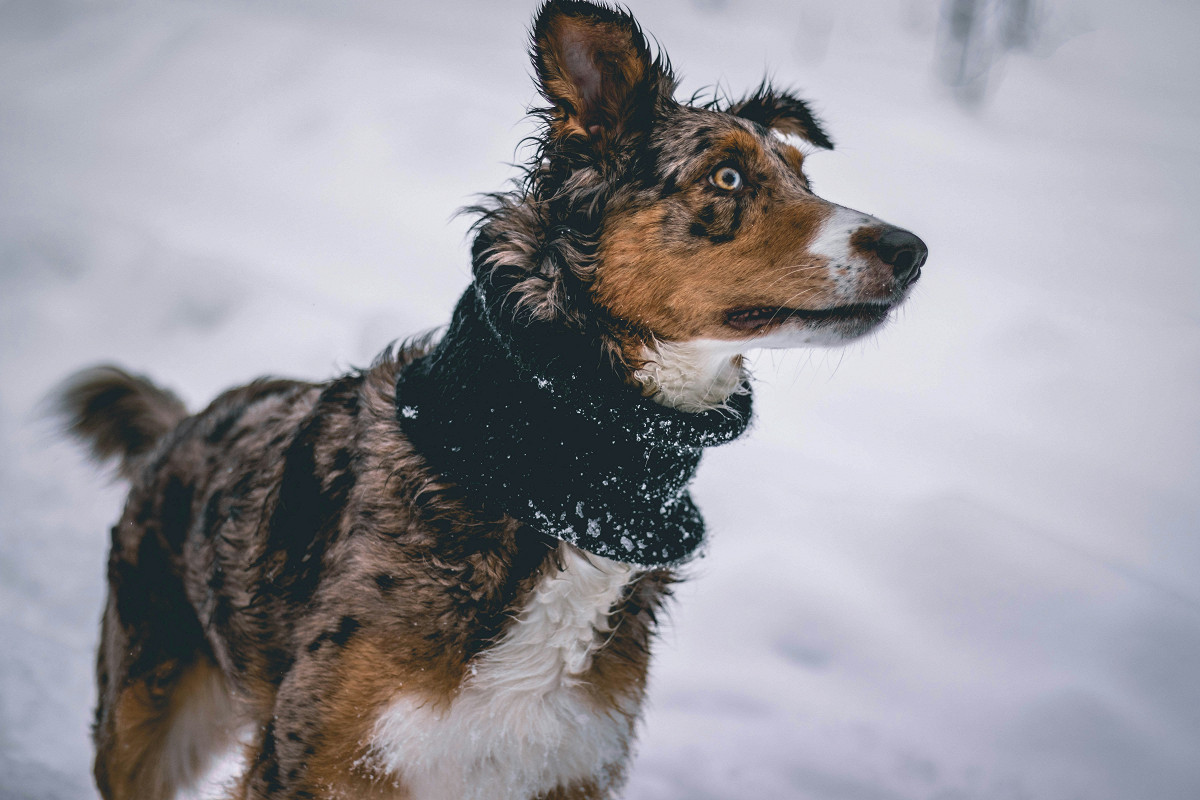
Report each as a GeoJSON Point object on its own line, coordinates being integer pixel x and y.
{"type": "Point", "coordinates": [316, 744]}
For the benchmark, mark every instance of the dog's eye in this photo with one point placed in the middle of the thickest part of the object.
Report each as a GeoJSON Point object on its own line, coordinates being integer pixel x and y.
{"type": "Point", "coordinates": [726, 178]}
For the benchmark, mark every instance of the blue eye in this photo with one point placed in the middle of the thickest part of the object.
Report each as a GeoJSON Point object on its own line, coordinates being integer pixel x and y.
{"type": "Point", "coordinates": [726, 178]}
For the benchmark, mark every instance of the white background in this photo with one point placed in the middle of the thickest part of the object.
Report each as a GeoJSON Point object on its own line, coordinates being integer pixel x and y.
{"type": "Point", "coordinates": [955, 562]}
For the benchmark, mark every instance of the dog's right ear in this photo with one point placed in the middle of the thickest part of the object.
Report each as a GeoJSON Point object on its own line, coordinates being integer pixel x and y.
{"type": "Point", "coordinates": [594, 66]}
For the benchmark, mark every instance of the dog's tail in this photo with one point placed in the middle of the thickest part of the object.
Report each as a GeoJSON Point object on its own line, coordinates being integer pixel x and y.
{"type": "Point", "coordinates": [117, 414]}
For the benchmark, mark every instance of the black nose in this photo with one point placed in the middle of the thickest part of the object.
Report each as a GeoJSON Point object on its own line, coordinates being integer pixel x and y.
{"type": "Point", "coordinates": [904, 252]}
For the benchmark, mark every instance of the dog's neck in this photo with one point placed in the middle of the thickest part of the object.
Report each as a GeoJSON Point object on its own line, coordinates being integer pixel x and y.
{"type": "Point", "coordinates": [530, 420]}
{"type": "Point", "coordinates": [693, 376]}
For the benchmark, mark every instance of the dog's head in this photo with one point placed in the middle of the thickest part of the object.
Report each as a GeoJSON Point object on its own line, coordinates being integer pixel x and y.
{"type": "Point", "coordinates": [672, 222]}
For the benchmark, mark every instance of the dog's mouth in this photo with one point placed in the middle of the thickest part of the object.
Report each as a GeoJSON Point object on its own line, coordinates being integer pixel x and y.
{"type": "Point", "coordinates": [760, 318]}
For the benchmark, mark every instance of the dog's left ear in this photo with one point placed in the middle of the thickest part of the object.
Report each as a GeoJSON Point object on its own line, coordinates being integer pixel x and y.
{"type": "Point", "coordinates": [594, 66]}
{"type": "Point", "coordinates": [782, 111]}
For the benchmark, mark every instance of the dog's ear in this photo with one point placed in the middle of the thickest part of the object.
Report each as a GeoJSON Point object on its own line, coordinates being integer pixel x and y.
{"type": "Point", "coordinates": [783, 111]}
{"type": "Point", "coordinates": [594, 66]}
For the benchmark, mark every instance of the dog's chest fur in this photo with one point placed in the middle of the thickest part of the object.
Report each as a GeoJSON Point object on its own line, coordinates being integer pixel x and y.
{"type": "Point", "coordinates": [524, 720]}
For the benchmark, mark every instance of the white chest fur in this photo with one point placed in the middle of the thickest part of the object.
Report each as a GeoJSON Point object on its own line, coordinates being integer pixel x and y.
{"type": "Point", "coordinates": [522, 723]}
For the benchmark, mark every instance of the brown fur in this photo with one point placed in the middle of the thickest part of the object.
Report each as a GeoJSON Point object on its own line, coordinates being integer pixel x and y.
{"type": "Point", "coordinates": [119, 414]}
{"type": "Point", "coordinates": [289, 547]}
{"type": "Point", "coordinates": [410, 584]}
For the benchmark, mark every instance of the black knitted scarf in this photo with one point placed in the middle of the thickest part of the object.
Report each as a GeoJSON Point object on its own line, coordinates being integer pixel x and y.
{"type": "Point", "coordinates": [529, 419]}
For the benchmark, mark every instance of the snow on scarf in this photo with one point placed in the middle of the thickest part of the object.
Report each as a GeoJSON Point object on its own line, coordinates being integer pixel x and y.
{"type": "Point", "coordinates": [529, 420]}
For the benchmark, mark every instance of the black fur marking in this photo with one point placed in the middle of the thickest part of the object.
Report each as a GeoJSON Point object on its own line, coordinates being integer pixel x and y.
{"type": "Point", "coordinates": [115, 546]}
{"type": "Point", "coordinates": [306, 514]}
{"type": "Point", "coordinates": [346, 629]}
{"type": "Point", "coordinates": [150, 600]}
{"type": "Point", "coordinates": [341, 459]}
{"type": "Point", "coordinates": [385, 581]}
{"type": "Point", "coordinates": [278, 663]}
{"type": "Point", "coordinates": [225, 424]}
{"type": "Point", "coordinates": [698, 230]}
{"type": "Point", "coordinates": [221, 613]}
{"type": "Point", "coordinates": [668, 188]}
{"type": "Point", "coordinates": [268, 762]}
{"type": "Point", "coordinates": [146, 510]}
{"type": "Point", "coordinates": [216, 581]}
{"type": "Point", "coordinates": [211, 518]}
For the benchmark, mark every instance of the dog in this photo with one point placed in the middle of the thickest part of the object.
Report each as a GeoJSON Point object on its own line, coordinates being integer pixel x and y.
{"type": "Point", "coordinates": [438, 577]}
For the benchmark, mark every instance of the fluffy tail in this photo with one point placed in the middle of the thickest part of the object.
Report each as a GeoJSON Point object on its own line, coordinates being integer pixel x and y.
{"type": "Point", "coordinates": [117, 414]}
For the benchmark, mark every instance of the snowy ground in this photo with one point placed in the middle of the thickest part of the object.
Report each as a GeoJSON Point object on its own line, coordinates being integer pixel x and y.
{"type": "Point", "coordinates": [958, 562]}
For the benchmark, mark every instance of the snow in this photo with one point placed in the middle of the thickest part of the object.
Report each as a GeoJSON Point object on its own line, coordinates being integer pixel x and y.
{"type": "Point", "coordinates": [955, 562]}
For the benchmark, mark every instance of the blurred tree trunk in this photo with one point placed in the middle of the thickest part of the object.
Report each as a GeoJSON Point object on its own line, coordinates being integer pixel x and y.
{"type": "Point", "coordinates": [974, 37]}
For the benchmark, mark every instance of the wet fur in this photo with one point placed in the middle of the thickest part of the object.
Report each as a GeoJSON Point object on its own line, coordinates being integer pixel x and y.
{"type": "Point", "coordinates": [290, 574]}
{"type": "Point", "coordinates": [290, 536]}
